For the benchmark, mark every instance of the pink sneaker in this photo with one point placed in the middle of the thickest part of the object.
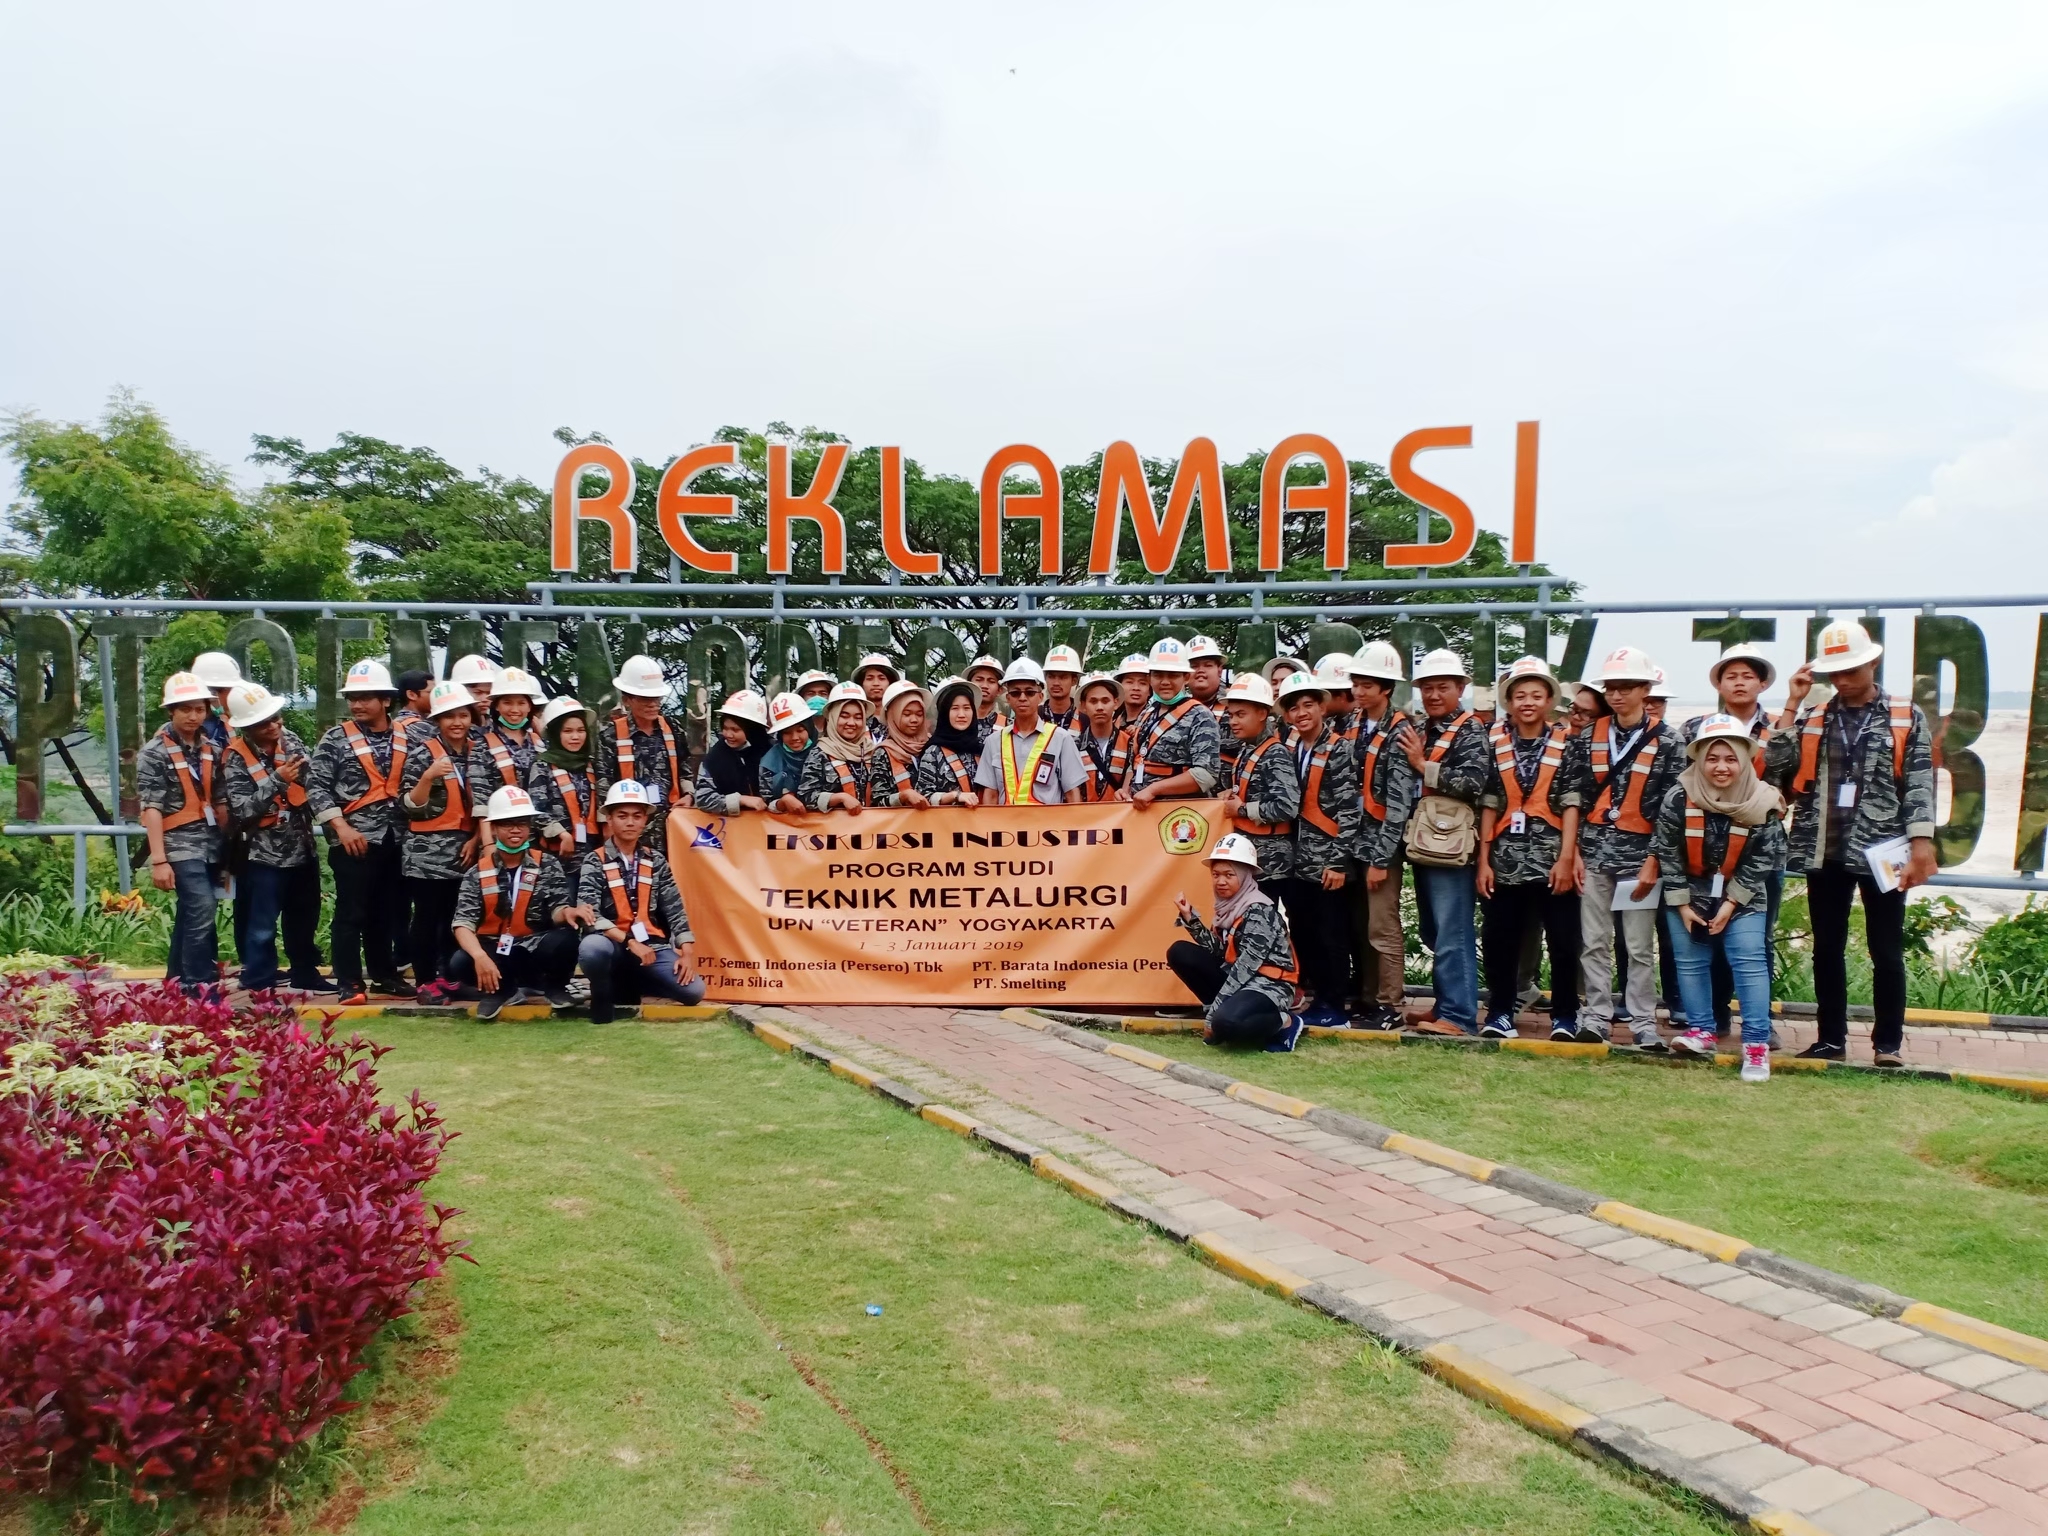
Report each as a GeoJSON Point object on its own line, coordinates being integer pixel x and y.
{"type": "Point", "coordinates": [1756, 1063]}
{"type": "Point", "coordinates": [1695, 1042]}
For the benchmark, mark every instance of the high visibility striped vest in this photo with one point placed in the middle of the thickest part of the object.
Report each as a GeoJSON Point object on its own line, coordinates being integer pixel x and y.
{"type": "Point", "coordinates": [384, 787]}
{"type": "Point", "coordinates": [1696, 844]}
{"type": "Point", "coordinates": [1240, 789]}
{"type": "Point", "coordinates": [1629, 817]}
{"type": "Point", "coordinates": [454, 816]}
{"type": "Point", "coordinates": [198, 794]}
{"type": "Point", "coordinates": [495, 921]}
{"type": "Point", "coordinates": [1537, 804]}
{"type": "Point", "coordinates": [1814, 726]}
{"type": "Point", "coordinates": [294, 794]}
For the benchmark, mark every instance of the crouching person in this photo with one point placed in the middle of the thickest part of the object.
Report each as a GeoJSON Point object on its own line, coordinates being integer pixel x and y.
{"type": "Point", "coordinates": [510, 914]}
{"type": "Point", "coordinates": [1243, 968]}
{"type": "Point", "coordinates": [640, 940]}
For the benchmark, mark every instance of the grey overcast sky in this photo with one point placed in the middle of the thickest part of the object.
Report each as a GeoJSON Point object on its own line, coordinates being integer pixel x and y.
{"type": "Point", "coordinates": [1772, 276]}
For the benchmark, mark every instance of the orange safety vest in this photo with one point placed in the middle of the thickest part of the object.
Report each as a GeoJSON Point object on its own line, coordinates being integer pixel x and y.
{"type": "Point", "coordinates": [1368, 767]}
{"type": "Point", "coordinates": [900, 768]}
{"type": "Point", "coordinates": [454, 816]}
{"type": "Point", "coordinates": [294, 794]}
{"type": "Point", "coordinates": [848, 784]}
{"type": "Point", "coordinates": [582, 818]}
{"type": "Point", "coordinates": [627, 913]}
{"type": "Point", "coordinates": [622, 735]}
{"type": "Point", "coordinates": [501, 756]}
{"type": "Point", "coordinates": [1442, 748]}
{"type": "Point", "coordinates": [1312, 810]}
{"type": "Point", "coordinates": [1241, 781]}
{"type": "Point", "coordinates": [1630, 818]}
{"type": "Point", "coordinates": [1815, 726]}
{"type": "Point", "coordinates": [1289, 973]}
{"type": "Point", "coordinates": [1104, 785]}
{"type": "Point", "coordinates": [1538, 801]}
{"type": "Point", "coordinates": [381, 789]}
{"type": "Point", "coordinates": [198, 804]}
{"type": "Point", "coordinates": [494, 922]}
{"type": "Point", "coordinates": [1696, 844]}
{"type": "Point", "coordinates": [1147, 769]}
{"type": "Point", "coordinates": [963, 776]}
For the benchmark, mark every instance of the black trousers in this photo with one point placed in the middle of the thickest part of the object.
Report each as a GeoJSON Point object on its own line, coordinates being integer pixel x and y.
{"type": "Point", "coordinates": [1320, 921]}
{"type": "Point", "coordinates": [1724, 979]}
{"type": "Point", "coordinates": [1511, 914]}
{"type": "Point", "coordinates": [366, 892]}
{"type": "Point", "coordinates": [433, 921]}
{"type": "Point", "coordinates": [1243, 1018]}
{"type": "Point", "coordinates": [1829, 890]}
{"type": "Point", "coordinates": [547, 964]}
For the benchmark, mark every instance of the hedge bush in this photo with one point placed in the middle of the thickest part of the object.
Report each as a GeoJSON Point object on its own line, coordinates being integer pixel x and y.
{"type": "Point", "coordinates": [207, 1217]}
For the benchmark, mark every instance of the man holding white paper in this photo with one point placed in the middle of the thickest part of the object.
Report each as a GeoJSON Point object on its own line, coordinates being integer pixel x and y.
{"type": "Point", "coordinates": [1859, 775]}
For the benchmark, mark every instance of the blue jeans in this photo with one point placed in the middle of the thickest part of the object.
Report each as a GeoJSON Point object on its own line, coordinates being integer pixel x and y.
{"type": "Point", "coordinates": [1447, 897]}
{"type": "Point", "coordinates": [270, 896]}
{"type": "Point", "coordinates": [1746, 943]}
{"type": "Point", "coordinates": [194, 952]}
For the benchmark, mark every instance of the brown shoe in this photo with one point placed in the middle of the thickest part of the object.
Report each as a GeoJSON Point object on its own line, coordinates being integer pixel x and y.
{"type": "Point", "coordinates": [1889, 1059]}
{"type": "Point", "coordinates": [1430, 1024]}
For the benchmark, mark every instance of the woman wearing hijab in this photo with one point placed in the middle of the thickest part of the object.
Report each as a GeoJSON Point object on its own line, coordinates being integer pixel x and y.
{"type": "Point", "coordinates": [1719, 838]}
{"type": "Point", "coordinates": [564, 783]}
{"type": "Point", "coordinates": [729, 778]}
{"type": "Point", "coordinates": [838, 775]}
{"type": "Point", "coordinates": [1241, 968]}
{"type": "Point", "coordinates": [906, 728]}
{"type": "Point", "coordinates": [945, 769]}
{"type": "Point", "coordinates": [782, 765]}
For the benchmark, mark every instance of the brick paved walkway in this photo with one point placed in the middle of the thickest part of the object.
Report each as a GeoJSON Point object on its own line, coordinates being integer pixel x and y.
{"type": "Point", "coordinates": [1861, 1425]}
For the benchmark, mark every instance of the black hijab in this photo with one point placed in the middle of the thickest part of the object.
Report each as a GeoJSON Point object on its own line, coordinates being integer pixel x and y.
{"type": "Point", "coordinates": [737, 772]}
{"type": "Point", "coordinates": [962, 741]}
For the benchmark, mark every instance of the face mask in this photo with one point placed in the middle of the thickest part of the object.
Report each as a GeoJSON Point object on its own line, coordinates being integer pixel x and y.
{"type": "Point", "coordinates": [519, 847]}
{"type": "Point", "coordinates": [817, 703]}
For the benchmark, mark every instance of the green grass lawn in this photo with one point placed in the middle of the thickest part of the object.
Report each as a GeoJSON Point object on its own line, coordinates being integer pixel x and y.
{"type": "Point", "coordinates": [1931, 1188]}
{"type": "Point", "coordinates": [678, 1234]}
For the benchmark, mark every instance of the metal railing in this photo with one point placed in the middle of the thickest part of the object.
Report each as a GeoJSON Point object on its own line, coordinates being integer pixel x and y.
{"type": "Point", "coordinates": [78, 832]}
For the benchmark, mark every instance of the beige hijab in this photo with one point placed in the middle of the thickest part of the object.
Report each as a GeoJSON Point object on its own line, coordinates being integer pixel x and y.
{"type": "Point", "coordinates": [829, 741]}
{"type": "Point", "coordinates": [904, 748]}
{"type": "Point", "coordinates": [1748, 802]}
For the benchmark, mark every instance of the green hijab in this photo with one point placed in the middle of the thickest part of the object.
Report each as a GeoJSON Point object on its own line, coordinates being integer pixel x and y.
{"type": "Point", "coordinates": [555, 755]}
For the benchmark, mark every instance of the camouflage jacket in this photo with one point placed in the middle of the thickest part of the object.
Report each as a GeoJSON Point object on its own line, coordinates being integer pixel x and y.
{"type": "Point", "coordinates": [664, 901]}
{"type": "Point", "coordinates": [782, 771]}
{"type": "Point", "coordinates": [1317, 849]}
{"type": "Point", "coordinates": [289, 842]}
{"type": "Point", "coordinates": [941, 771]}
{"type": "Point", "coordinates": [822, 779]}
{"type": "Point", "coordinates": [1603, 846]}
{"type": "Point", "coordinates": [650, 764]}
{"type": "Point", "coordinates": [551, 809]}
{"type": "Point", "coordinates": [1263, 776]}
{"type": "Point", "coordinates": [1762, 855]}
{"type": "Point", "coordinates": [1887, 805]}
{"type": "Point", "coordinates": [1261, 940]}
{"type": "Point", "coordinates": [161, 785]}
{"type": "Point", "coordinates": [1393, 785]}
{"type": "Point", "coordinates": [1227, 744]}
{"type": "Point", "coordinates": [484, 771]}
{"type": "Point", "coordinates": [433, 855]}
{"type": "Point", "coordinates": [1187, 745]}
{"type": "Point", "coordinates": [882, 777]}
{"type": "Point", "coordinates": [1526, 857]}
{"type": "Point", "coordinates": [336, 777]}
{"type": "Point", "coordinates": [551, 891]}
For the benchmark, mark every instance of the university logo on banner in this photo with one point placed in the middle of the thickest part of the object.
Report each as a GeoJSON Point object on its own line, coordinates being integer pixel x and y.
{"type": "Point", "coordinates": [1183, 830]}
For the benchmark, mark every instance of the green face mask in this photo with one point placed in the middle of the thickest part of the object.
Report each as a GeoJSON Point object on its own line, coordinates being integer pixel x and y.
{"type": "Point", "coordinates": [519, 847]}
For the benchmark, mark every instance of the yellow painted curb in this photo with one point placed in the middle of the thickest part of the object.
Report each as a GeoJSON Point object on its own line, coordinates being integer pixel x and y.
{"type": "Point", "coordinates": [1798, 1064]}
{"type": "Point", "coordinates": [781, 1039]}
{"type": "Point", "coordinates": [1591, 1050]}
{"type": "Point", "coordinates": [1978, 1334]}
{"type": "Point", "coordinates": [1023, 1016]}
{"type": "Point", "coordinates": [1718, 1245]}
{"type": "Point", "coordinates": [1079, 1180]}
{"type": "Point", "coordinates": [1535, 1407]}
{"type": "Point", "coordinates": [1947, 1016]}
{"type": "Point", "coordinates": [2033, 1087]}
{"type": "Point", "coordinates": [1444, 1157]}
{"type": "Point", "coordinates": [1782, 1522]}
{"type": "Point", "coordinates": [1362, 1036]}
{"type": "Point", "coordinates": [1150, 1059]}
{"type": "Point", "coordinates": [682, 1010]}
{"type": "Point", "coordinates": [950, 1118]}
{"type": "Point", "coordinates": [841, 1067]}
{"type": "Point", "coordinates": [1149, 1026]}
{"type": "Point", "coordinates": [1233, 1260]}
{"type": "Point", "coordinates": [356, 1011]}
{"type": "Point", "coordinates": [526, 1011]}
{"type": "Point", "coordinates": [1266, 1098]}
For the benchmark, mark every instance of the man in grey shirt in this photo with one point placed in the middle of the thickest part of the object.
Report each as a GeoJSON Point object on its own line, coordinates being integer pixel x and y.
{"type": "Point", "coordinates": [1029, 760]}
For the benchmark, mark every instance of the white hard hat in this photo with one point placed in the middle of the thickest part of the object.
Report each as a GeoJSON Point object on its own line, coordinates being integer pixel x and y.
{"type": "Point", "coordinates": [185, 688]}
{"type": "Point", "coordinates": [448, 695]}
{"type": "Point", "coordinates": [1334, 662]}
{"type": "Point", "coordinates": [369, 677]}
{"type": "Point", "coordinates": [1105, 679]}
{"type": "Point", "coordinates": [1659, 689]}
{"type": "Point", "coordinates": [472, 669]}
{"type": "Point", "coordinates": [1753, 655]}
{"type": "Point", "coordinates": [1843, 646]}
{"type": "Point", "coordinates": [787, 709]}
{"type": "Point", "coordinates": [1203, 648]}
{"type": "Point", "coordinates": [216, 669]}
{"type": "Point", "coordinates": [627, 792]}
{"type": "Point", "coordinates": [1720, 728]}
{"type": "Point", "coordinates": [1301, 682]}
{"type": "Point", "coordinates": [1627, 665]}
{"type": "Point", "coordinates": [1334, 680]}
{"type": "Point", "coordinates": [876, 659]}
{"type": "Point", "coordinates": [1168, 655]}
{"type": "Point", "coordinates": [511, 680]}
{"type": "Point", "coordinates": [745, 704]}
{"type": "Point", "coordinates": [1063, 658]}
{"type": "Point", "coordinates": [1234, 848]}
{"type": "Point", "coordinates": [642, 677]}
{"type": "Point", "coordinates": [508, 803]}
{"type": "Point", "coordinates": [984, 664]}
{"type": "Point", "coordinates": [847, 693]}
{"type": "Point", "coordinates": [251, 704]}
{"type": "Point", "coordinates": [558, 708]}
{"type": "Point", "coordinates": [1441, 663]}
{"type": "Point", "coordinates": [1249, 688]}
{"type": "Point", "coordinates": [814, 677]}
{"type": "Point", "coordinates": [1135, 662]}
{"type": "Point", "coordinates": [900, 688]}
{"type": "Point", "coordinates": [1522, 669]}
{"type": "Point", "coordinates": [1378, 660]}
{"type": "Point", "coordinates": [1024, 670]}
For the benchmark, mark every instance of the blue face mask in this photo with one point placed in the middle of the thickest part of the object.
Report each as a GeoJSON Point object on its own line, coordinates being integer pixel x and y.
{"type": "Point", "coordinates": [817, 704]}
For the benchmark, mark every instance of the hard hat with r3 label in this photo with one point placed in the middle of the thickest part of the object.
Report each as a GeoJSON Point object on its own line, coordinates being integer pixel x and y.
{"type": "Point", "coordinates": [1168, 655]}
{"type": "Point", "coordinates": [511, 680]}
{"type": "Point", "coordinates": [628, 792]}
{"type": "Point", "coordinates": [369, 677]}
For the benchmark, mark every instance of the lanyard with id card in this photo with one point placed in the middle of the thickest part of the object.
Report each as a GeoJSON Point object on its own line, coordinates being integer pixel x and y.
{"type": "Point", "coordinates": [505, 940]}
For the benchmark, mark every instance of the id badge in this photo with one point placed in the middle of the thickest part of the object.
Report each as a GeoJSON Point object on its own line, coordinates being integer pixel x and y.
{"type": "Point", "coordinates": [1845, 797]}
{"type": "Point", "coordinates": [654, 794]}
{"type": "Point", "coordinates": [1044, 774]}
{"type": "Point", "coordinates": [640, 932]}
{"type": "Point", "coordinates": [208, 808]}
{"type": "Point", "coordinates": [504, 943]}
{"type": "Point", "coordinates": [582, 833]}
{"type": "Point", "coordinates": [1719, 881]}
{"type": "Point", "coordinates": [1518, 823]}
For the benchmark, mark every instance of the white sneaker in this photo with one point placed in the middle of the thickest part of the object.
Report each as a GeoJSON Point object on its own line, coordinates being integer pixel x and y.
{"type": "Point", "coordinates": [1756, 1063]}
{"type": "Point", "coordinates": [1695, 1042]}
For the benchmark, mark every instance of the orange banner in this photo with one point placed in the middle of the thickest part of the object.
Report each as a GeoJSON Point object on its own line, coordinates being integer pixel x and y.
{"type": "Point", "coordinates": [1066, 904]}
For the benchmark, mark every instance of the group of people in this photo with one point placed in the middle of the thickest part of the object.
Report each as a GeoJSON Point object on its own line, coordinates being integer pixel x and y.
{"type": "Point", "coordinates": [497, 842]}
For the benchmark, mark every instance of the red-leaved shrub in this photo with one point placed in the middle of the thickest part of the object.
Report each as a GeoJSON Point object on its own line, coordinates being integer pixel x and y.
{"type": "Point", "coordinates": [205, 1215]}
